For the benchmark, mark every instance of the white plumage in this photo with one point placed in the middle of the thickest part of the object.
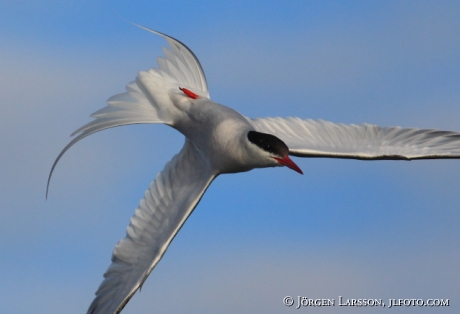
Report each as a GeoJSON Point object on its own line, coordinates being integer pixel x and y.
{"type": "Point", "coordinates": [167, 203]}
{"type": "Point", "coordinates": [219, 140]}
{"type": "Point", "coordinates": [309, 138]}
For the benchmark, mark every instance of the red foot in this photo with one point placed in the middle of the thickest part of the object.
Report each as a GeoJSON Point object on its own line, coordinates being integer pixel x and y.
{"type": "Point", "coordinates": [189, 93]}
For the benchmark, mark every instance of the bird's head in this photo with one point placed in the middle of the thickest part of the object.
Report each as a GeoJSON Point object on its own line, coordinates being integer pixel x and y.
{"type": "Point", "coordinates": [273, 149]}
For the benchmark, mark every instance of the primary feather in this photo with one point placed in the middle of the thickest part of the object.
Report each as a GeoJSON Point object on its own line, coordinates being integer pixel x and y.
{"type": "Point", "coordinates": [167, 203]}
{"type": "Point", "coordinates": [309, 138]}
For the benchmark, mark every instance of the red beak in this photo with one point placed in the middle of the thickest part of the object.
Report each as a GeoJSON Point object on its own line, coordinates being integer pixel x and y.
{"type": "Point", "coordinates": [286, 161]}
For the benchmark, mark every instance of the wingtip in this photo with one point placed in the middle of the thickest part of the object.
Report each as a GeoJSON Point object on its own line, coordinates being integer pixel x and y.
{"type": "Point", "coordinates": [178, 42]}
{"type": "Point", "coordinates": [49, 179]}
{"type": "Point", "coordinates": [47, 188]}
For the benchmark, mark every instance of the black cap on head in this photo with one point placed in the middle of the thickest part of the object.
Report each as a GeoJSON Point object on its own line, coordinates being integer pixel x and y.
{"type": "Point", "coordinates": [268, 143]}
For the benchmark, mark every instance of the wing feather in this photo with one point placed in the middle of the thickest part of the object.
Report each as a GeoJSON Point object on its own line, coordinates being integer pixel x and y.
{"type": "Point", "coordinates": [190, 67]}
{"type": "Point", "coordinates": [166, 205]}
{"type": "Point", "coordinates": [131, 107]}
{"type": "Point", "coordinates": [309, 138]}
{"type": "Point", "coordinates": [147, 99]}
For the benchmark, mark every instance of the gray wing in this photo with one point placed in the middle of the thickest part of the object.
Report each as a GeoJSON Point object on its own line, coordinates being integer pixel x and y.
{"type": "Point", "coordinates": [147, 100]}
{"type": "Point", "coordinates": [181, 64]}
{"type": "Point", "coordinates": [132, 107]}
{"type": "Point", "coordinates": [309, 138]}
{"type": "Point", "coordinates": [166, 205]}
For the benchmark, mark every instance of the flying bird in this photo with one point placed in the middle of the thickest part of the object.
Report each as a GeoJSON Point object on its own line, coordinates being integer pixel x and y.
{"type": "Point", "coordinates": [219, 140]}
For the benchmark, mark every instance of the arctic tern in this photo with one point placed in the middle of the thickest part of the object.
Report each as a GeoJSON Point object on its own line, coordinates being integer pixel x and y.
{"type": "Point", "coordinates": [220, 140]}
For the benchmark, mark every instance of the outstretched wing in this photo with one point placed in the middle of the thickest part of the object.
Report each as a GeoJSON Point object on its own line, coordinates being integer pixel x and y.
{"type": "Point", "coordinates": [147, 99]}
{"type": "Point", "coordinates": [166, 205]}
{"type": "Point", "coordinates": [182, 65]}
{"type": "Point", "coordinates": [309, 138]}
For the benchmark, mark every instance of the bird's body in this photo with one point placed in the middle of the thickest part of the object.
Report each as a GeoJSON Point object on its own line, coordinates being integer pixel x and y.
{"type": "Point", "coordinates": [220, 140]}
{"type": "Point", "coordinates": [217, 131]}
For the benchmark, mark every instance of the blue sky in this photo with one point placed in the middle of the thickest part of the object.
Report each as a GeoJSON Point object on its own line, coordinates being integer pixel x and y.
{"type": "Point", "coordinates": [380, 229]}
